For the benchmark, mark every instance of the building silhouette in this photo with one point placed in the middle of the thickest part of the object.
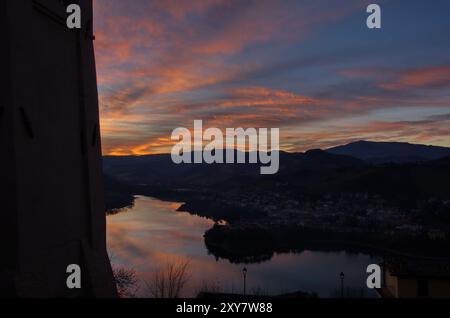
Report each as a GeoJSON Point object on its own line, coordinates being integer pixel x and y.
{"type": "Point", "coordinates": [51, 192]}
{"type": "Point", "coordinates": [415, 278]}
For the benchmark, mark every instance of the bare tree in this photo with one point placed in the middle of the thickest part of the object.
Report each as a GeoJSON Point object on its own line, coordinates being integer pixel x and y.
{"type": "Point", "coordinates": [169, 281]}
{"type": "Point", "coordinates": [125, 279]}
{"type": "Point", "coordinates": [126, 282]}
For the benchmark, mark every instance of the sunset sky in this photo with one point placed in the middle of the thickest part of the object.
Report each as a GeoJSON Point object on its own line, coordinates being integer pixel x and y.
{"type": "Point", "coordinates": [310, 68]}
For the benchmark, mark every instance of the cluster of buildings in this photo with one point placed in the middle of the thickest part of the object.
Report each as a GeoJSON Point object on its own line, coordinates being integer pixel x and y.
{"type": "Point", "coordinates": [345, 212]}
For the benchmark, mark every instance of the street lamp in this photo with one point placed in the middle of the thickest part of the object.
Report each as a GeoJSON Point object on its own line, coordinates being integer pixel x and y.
{"type": "Point", "coordinates": [244, 272]}
{"type": "Point", "coordinates": [342, 276]}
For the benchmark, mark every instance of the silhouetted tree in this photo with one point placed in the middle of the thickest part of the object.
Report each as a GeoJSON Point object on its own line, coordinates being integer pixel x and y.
{"type": "Point", "coordinates": [169, 281]}
{"type": "Point", "coordinates": [126, 282]}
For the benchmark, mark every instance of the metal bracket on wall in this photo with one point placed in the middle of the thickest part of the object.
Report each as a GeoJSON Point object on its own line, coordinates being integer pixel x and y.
{"type": "Point", "coordinates": [26, 122]}
{"type": "Point", "coordinates": [40, 7]}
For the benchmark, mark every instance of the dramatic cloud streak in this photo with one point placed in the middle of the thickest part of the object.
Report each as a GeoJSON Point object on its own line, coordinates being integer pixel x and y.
{"type": "Point", "coordinates": [310, 68]}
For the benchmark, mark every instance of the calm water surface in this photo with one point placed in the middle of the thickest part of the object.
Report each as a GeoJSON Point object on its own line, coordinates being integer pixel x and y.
{"type": "Point", "coordinates": [152, 233]}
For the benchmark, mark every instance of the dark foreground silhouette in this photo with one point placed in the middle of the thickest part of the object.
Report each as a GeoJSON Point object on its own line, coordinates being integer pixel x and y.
{"type": "Point", "coordinates": [51, 185]}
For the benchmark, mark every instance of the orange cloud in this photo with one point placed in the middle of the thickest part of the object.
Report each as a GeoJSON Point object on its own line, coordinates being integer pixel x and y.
{"type": "Point", "coordinates": [162, 64]}
{"type": "Point", "coordinates": [333, 134]}
{"type": "Point", "coordinates": [428, 77]}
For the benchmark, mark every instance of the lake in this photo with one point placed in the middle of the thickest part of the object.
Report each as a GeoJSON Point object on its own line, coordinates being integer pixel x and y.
{"type": "Point", "coordinates": [152, 233]}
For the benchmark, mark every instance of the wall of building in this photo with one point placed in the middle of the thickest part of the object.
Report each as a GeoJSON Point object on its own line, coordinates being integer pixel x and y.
{"type": "Point", "coordinates": [437, 288]}
{"type": "Point", "coordinates": [54, 157]}
{"type": "Point", "coordinates": [390, 284]}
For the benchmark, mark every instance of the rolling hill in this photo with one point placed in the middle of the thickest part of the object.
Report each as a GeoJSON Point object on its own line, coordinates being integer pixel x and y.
{"type": "Point", "coordinates": [314, 173]}
{"type": "Point", "coordinates": [390, 152]}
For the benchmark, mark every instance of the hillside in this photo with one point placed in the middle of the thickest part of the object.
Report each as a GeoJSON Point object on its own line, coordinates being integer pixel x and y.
{"type": "Point", "coordinates": [313, 173]}
{"type": "Point", "coordinates": [390, 152]}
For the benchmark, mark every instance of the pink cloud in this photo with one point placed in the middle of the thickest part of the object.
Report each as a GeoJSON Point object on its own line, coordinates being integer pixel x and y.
{"type": "Point", "coordinates": [427, 77]}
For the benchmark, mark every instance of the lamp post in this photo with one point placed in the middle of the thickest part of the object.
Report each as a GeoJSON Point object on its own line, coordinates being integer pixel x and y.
{"type": "Point", "coordinates": [342, 276]}
{"type": "Point", "coordinates": [244, 272]}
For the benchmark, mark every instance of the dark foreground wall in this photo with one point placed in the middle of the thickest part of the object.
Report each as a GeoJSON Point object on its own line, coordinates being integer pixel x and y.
{"type": "Point", "coordinates": [51, 193]}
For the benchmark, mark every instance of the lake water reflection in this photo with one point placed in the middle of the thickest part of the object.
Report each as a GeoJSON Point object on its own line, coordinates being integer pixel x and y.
{"type": "Point", "coordinates": [152, 233]}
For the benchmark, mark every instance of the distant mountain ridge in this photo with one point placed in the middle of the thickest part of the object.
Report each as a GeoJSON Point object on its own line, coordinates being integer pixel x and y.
{"type": "Point", "coordinates": [159, 170]}
{"type": "Point", "coordinates": [390, 152]}
{"type": "Point", "coordinates": [314, 173]}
